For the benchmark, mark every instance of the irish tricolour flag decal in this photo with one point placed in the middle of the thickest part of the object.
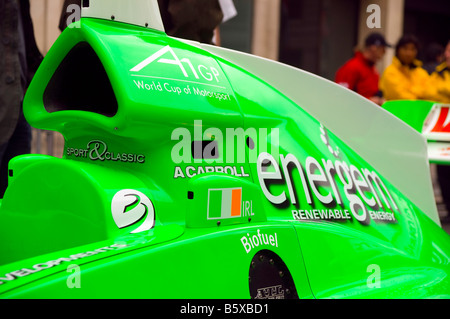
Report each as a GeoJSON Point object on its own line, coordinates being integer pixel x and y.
{"type": "Point", "coordinates": [224, 203]}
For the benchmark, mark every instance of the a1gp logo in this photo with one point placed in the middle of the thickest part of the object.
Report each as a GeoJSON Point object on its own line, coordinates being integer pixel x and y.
{"type": "Point", "coordinates": [166, 55]}
{"type": "Point", "coordinates": [129, 207]}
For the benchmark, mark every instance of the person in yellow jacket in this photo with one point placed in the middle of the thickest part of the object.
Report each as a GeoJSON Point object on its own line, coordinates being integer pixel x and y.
{"type": "Point", "coordinates": [440, 78]}
{"type": "Point", "coordinates": [404, 78]}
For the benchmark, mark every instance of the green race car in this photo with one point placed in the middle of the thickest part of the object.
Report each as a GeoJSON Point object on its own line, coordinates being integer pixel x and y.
{"type": "Point", "coordinates": [193, 171]}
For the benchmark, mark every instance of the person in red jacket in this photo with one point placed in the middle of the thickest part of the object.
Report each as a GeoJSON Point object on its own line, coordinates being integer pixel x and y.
{"type": "Point", "coordinates": [359, 73]}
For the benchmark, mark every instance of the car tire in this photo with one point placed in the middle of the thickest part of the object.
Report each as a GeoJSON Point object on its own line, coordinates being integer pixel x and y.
{"type": "Point", "coordinates": [270, 278]}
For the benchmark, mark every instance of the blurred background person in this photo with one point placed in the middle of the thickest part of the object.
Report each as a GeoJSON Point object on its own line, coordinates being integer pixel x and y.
{"type": "Point", "coordinates": [441, 78]}
{"type": "Point", "coordinates": [20, 59]}
{"type": "Point", "coordinates": [359, 74]}
{"type": "Point", "coordinates": [434, 55]}
{"type": "Point", "coordinates": [404, 78]}
{"type": "Point", "coordinates": [191, 19]}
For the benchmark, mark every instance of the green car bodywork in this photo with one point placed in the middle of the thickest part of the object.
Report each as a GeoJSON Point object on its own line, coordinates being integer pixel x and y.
{"type": "Point", "coordinates": [186, 174]}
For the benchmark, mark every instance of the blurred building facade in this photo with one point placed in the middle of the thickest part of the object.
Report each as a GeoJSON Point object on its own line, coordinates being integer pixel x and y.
{"type": "Point", "coordinates": [320, 35]}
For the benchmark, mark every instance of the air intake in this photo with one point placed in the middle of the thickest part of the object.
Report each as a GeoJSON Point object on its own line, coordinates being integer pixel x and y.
{"type": "Point", "coordinates": [80, 83]}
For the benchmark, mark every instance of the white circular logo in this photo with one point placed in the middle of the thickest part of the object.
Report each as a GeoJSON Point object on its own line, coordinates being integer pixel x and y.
{"type": "Point", "coordinates": [130, 206]}
{"type": "Point", "coordinates": [326, 140]}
